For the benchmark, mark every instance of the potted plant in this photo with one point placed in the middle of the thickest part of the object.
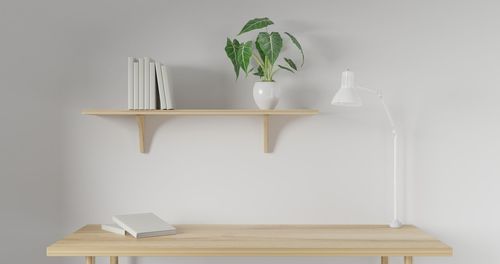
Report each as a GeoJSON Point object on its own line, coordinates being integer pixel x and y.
{"type": "Point", "coordinates": [260, 57]}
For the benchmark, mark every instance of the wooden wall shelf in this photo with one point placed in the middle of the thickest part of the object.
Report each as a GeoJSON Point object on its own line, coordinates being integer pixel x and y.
{"type": "Point", "coordinates": [141, 114]}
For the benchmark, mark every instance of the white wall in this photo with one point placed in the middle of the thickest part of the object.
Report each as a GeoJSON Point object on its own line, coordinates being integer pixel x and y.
{"type": "Point", "coordinates": [33, 54]}
{"type": "Point", "coordinates": [435, 60]}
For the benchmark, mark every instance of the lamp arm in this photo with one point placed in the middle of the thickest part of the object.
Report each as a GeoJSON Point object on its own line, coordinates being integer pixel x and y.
{"type": "Point", "coordinates": [395, 223]}
{"type": "Point", "coordinates": [380, 96]}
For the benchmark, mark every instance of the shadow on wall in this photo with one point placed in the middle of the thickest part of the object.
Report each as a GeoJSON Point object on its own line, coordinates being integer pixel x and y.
{"type": "Point", "coordinates": [299, 95]}
{"type": "Point", "coordinates": [277, 125]}
{"type": "Point", "coordinates": [202, 88]}
{"type": "Point", "coordinates": [249, 260]}
{"type": "Point", "coordinates": [195, 88]}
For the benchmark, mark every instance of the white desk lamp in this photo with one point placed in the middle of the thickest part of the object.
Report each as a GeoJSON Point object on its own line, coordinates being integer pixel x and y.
{"type": "Point", "coordinates": [347, 96]}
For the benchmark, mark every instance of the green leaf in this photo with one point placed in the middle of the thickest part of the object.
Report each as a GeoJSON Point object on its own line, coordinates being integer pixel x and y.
{"type": "Point", "coordinates": [259, 72]}
{"type": "Point", "coordinates": [243, 55]}
{"type": "Point", "coordinates": [286, 68]}
{"type": "Point", "coordinates": [296, 42]}
{"type": "Point", "coordinates": [270, 44]}
{"type": "Point", "coordinates": [231, 51]}
{"type": "Point", "coordinates": [291, 63]}
{"type": "Point", "coordinates": [256, 23]}
{"type": "Point", "coordinates": [259, 49]}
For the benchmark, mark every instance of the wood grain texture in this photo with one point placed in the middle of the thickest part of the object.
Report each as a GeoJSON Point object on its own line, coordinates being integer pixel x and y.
{"type": "Point", "coordinates": [140, 126]}
{"type": "Point", "coordinates": [89, 260]}
{"type": "Point", "coordinates": [408, 260]}
{"type": "Point", "coordinates": [201, 112]}
{"type": "Point", "coordinates": [384, 260]}
{"type": "Point", "coordinates": [266, 133]}
{"type": "Point", "coordinates": [256, 240]}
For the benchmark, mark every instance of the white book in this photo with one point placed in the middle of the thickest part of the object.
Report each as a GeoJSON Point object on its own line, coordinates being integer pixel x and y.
{"type": "Point", "coordinates": [130, 83]}
{"type": "Point", "coordinates": [141, 83]}
{"type": "Point", "coordinates": [136, 85]}
{"type": "Point", "coordinates": [113, 228]}
{"type": "Point", "coordinates": [161, 92]}
{"type": "Point", "coordinates": [167, 88]}
{"type": "Point", "coordinates": [144, 225]}
{"type": "Point", "coordinates": [146, 82]}
{"type": "Point", "coordinates": [152, 86]}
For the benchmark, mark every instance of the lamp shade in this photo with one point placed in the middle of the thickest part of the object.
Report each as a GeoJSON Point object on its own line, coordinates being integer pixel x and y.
{"type": "Point", "coordinates": [346, 95]}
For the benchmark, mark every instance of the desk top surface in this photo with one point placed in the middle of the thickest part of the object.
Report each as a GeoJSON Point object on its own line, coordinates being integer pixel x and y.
{"type": "Point", "coordinates": [256, 240]}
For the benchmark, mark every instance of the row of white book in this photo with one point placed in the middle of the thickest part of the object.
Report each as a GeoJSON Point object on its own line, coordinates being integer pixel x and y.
{"type": "Point", "coordinates": [148, 85]}
{"type": "Point", "coordinates": [139, 225]}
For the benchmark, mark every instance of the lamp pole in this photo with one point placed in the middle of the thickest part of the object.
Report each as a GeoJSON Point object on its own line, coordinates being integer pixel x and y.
{"type": "Point", "coordinates": [396, 223]}
{"type": "Point", "coordinates": [346, 96]}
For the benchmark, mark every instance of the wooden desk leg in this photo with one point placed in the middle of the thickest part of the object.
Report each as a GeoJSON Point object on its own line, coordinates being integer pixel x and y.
{"type": "Point", "coordinates": [89, 260]}
{"type": "Point", "coordinates": [384, 260]}
{"type": "Point", "coordinates": [408, 260]}
{"type": "Point", "coordinates": [113, 260]}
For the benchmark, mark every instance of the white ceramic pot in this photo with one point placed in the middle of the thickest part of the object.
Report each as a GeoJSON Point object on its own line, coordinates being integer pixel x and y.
{"type": "Point", "coordinates": [266, 95]}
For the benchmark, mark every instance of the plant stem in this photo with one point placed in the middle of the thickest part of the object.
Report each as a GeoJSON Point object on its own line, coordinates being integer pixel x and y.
{"type": "Point", "coordinates": [257, 60]}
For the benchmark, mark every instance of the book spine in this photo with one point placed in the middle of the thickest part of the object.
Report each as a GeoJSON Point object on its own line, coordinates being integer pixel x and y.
{"type": "Point", "coordinates": [155, 234]}
{"type": "Point", "coordinates": [166, 87]}
{"type": "Point", "coordinates": [141, 83]}
{"type": "Point", "coordinates": [152, 86]}
{"type": "Point", "coordinates": [136, 85]}
{"type": "Point", "coordinates": [130, 104]}
{"type": "Point", "coordinates": [146, 82]}
{"type": "Point", "coordinates": [161, 92]}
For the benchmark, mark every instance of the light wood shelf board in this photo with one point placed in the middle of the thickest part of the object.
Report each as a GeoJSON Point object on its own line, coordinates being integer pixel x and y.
{"type": "Point", "coordinates": [201, 112]}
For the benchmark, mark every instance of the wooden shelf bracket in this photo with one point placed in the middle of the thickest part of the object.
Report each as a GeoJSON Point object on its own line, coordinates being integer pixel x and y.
{"type": "Point", "coordinates": [266, 133]}
{"type": "Point", "coordinates": [140, 124]}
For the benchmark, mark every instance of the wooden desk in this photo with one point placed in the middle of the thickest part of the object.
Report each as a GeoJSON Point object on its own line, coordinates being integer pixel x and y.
{"type": "Point", "coordinates": [256, 240]}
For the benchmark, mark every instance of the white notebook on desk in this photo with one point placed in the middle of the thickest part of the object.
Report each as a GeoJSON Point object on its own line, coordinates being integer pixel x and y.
{"type": "Point", "coordinates": [144, 225]}
{"type": "Point", "coordinates": [113, 228]}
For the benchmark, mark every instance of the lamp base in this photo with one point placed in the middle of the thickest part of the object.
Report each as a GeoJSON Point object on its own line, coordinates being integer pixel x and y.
{"type": "Point", "coordinates": [396, 223]}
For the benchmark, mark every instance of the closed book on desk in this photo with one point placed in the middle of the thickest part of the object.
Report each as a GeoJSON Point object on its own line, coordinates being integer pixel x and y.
{"type": "Point", "coordinates": [113, 228]}
{"type": "Point", "coordinates": [144, 225]}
